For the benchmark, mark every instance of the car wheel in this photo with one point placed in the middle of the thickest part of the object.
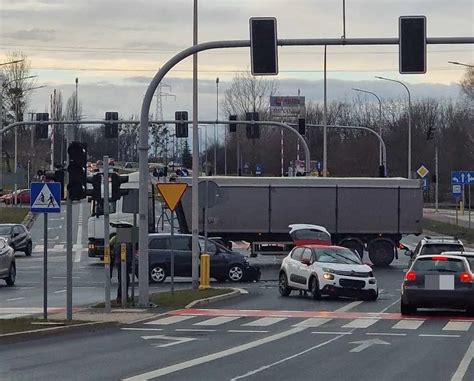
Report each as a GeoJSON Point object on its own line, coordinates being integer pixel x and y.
{"type": "Point", "coordinates": [283, 285]}
{"type": "Point", "coordinates": [11, 275]}
{"type": "Point", "coordinates": [314, 288]}
{"type": "Point", "coordinates": [157, 274]}
{"type": "Point", "coordinates": [407, 309]}
{"type": "Point", "coordinates": [236, 273]}
{"type": "Point", "coordinates": [372, 296]}
{"type": "Point", "coordinates": [29, 249]}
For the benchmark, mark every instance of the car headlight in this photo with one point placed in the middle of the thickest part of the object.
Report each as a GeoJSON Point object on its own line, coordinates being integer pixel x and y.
{"type": "Point", "coordinates": [328, 276]}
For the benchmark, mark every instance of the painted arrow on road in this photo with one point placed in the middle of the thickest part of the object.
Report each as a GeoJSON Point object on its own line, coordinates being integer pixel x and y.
{"type": "Point", "coordinates": [364, 344]}
{"type": "Point", "coordinates": [174, 340]}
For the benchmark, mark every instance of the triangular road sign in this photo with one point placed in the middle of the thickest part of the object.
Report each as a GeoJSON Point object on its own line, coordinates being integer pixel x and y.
{"type": "Point", "coordinates": [172, 193]}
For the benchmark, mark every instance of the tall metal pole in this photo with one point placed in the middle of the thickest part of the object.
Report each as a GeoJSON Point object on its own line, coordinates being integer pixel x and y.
{"type": "Point", "coordinates": [437, 177]}
{"type": "Point", "coordinates": [107, 263]}
{"type": "Point", "coordinates": [76, 108]}
{"type": "Point", "coordinates": [1, 135]}
{"type": "Point", "coordinates": [69, 139]}
{"type": "Point", "coordinates": [195, 179]}
{"type": "Point", "coordinates": [325, 130]}
{"type": "Point", "coordinates": [45, 266]}
{"type": "Point", "coordinates": [215, 126]}
{"type": "Point", "coordinates": [343, 19]}
{"type": "Point", "coordinates": [16, 166]}
{"type": "Point", "coordinates": [172, 252]}
{"type": "Point", "coordinates": [409, 120]}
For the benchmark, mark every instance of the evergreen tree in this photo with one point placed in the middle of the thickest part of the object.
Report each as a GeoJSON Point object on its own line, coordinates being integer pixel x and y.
{"type": "Point", "coordinates": [186, 157]}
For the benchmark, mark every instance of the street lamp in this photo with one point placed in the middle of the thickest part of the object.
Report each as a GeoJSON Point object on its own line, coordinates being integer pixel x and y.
{"type": "Point", "coordinates": [380, 119]}
{"type": "Point", "coordinates": [460, 63]}
{"type": "Point", "coordinates": [409, 119]}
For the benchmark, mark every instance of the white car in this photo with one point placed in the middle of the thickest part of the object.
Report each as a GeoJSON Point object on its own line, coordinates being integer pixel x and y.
{"type": "Point", "coordinates": [327, 270]}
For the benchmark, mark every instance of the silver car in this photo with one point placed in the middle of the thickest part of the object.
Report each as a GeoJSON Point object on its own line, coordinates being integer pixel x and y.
{"type": "Point", "coordinates": [7, 263]}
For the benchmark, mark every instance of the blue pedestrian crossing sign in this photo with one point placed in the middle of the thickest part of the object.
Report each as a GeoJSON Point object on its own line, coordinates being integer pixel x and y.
{"type": "Point", "coordinates": [45, 198]}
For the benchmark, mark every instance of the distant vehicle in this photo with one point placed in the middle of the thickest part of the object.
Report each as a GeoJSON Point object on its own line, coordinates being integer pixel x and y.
{"type": "Point", "coordinates": [99, 162]}
{"type": "Point", "coordinates": [111, 162]}
{"type": "Point", "coordinates": [432, 246]}
{"type": "Point", "coordinates": [128, 165]}
{"type": "Point", "coordinates": [305, 234]}
{"type": "Point", "coordinates": [438, 281]}
{"type": "Point", "coordinates": [225, 264]}
{"type": "Point", "coordinates": [327, 270]}
{"type": "Point", "coordinates": [7, 263]}
{"type": "Point", "coordinates": [23, 197]}
{"type": "Point", "coordinates": [18, 237]}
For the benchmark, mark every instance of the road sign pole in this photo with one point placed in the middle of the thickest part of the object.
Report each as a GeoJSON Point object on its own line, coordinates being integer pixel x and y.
{"type": "Point", "coordinates": [172, 252]}
{"type": "Point", "coordinates": [45, 266]}
{"type": "Point", "coordinates": [107, 263]}
{"type": "Point", "coordinates": [123, 273]}
{"type": "Point", "coordinates": [134, 245]}
{"type": "Point", "coordinates": [469, 190]}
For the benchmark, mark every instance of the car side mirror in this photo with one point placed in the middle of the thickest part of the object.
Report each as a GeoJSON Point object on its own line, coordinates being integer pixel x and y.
{"type": "Point", "coordinates": [306, 262]}
{"type": "Point", "coordinates": [408, 253]}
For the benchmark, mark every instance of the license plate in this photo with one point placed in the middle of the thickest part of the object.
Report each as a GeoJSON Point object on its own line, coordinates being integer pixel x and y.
{"type": "Point", "coordinates": [439, 282]}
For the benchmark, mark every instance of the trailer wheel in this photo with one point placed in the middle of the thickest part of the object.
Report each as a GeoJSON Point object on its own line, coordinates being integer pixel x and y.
{"type": "Point", "coordinates": [355, 245]}
{"type": "Point", "coordinates": [381, 252]}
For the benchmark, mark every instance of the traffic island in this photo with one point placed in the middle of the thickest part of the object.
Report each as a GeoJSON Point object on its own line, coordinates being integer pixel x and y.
{"type": "Point", "coordinates": [13, 215]}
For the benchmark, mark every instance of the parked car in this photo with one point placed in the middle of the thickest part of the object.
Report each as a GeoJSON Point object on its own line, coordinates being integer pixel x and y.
{"type": "Point", "coordinates": [327, 270]}
{"type": "Point", "coordinates": [438, 281]}
{"type": "Point", "coordinates": [7, 263]}
{"type": "Point", "coordinates": [433, 246]}
{"type": "Point", "coordinates": [23, 197]}
{"type": "Point", "coordinates": [225, 264]}
{"type": "Point", "coordinates": [18, 237]}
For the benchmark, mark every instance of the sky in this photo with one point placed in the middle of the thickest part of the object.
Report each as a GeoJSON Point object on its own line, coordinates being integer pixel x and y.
{"type": "Point", "coordinates": [114, 47]}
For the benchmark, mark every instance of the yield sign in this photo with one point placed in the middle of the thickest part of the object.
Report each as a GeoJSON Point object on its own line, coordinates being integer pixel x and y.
{"type": "Point", "coordinates": [172, 193]}
{"type": "Point", "coordinates": [422, 171]}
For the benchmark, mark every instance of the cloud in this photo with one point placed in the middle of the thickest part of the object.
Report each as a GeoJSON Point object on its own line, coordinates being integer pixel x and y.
{"type": "Point", "coordinates": [33, 34]}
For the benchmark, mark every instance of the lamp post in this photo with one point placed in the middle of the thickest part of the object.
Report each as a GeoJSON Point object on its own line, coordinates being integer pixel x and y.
{"type": "Point", "coordinates": [409, 119]}
{"type": "Point", "coordinates": [380, 119]}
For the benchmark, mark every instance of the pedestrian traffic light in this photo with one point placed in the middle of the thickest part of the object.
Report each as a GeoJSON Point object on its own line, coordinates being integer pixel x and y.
{"type": "Point", "coordinates": [117, 180]}
{"type": "Point", "coordinates": [412, 44]}
{"type": "Point", "coordinates": [263, 46]}
{"type": "Point", "coordinates": [77, 184]}
{"type": "Point", "coordinates": [253, 130]}
{"type": "Point", "coordinates": [96, 181]}
{"type": "Point", "coordinates": [111, 129]}
{"type": "Point", "coordinates": [41, 130]}
{"type": "Point", "coordinates": [302, 126]}
{"type": "Point", "coordinates": [233, 127]}
{"type": "Point", "coordinates": [181, 129]}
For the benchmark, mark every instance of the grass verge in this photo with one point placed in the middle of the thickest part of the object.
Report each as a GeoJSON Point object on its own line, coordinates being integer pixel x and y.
{"type": "Point", "coordinates": [444, 228]}
{"type": "Point", "coordinates": [180, 299]}
{"type": "Point", "coordinates": [31, 324]}
{"type": "Point", "coordinates": [9, 215]}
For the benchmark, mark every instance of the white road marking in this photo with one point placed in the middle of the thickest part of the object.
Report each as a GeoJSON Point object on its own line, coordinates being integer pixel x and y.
{"type": "Point", "coordinates": [38, 248]}
{"type": "Point", "coordinates": [364, 344]}
{"type": "Point", "coordinates": [264, 322]}
{"type": "Point", "coordinates": [331, 333]}
{"type": "Point", "coordinates": [194, 330]}
{"type": "Point", "coordinates": [390, 305]}
{"type": "Point", "coordinates": [78, 253]}
{"type": "Point", "coordinates": [245, 331]}
{"type": "Point", "coordinates": [174, 340]}
{"type": "Point", "coordinates": [58, 247]}
{"type": "Point", "coordinates": [59, 292]}
{"type": "Point", "coordinates": [57, 219]}
{"type": "Point", "coordinates": [457, 326]}
{"type": "Point", "coordinates": [13, 299]}
{"type": "Point", "coordinates": [253, 372]}
{"type": "Point", "coordinates": [360, 323]}
{"type": "Point", "coordinates": [218, 320]}
{"type": "Point", "coordinates": [213, 356]}
{"type": "Point", "coordinates": [429, 335]}
{"type": "Point", "coordinates": [63, 277]}
{"type": "Point", "coordinates": [142, 329]}
{"type": "Point", "coordinates": [312, 322]}
{"type": "Point", "coordinates": [171, 320]}
{"type": "Point", "coordinates": [464, 365]}
{"type": "Point", "coordinates": [385, 334]}
{"type": "Point", "coordinates": [408, 324]}
{"type": "Point", "coordinates": [349, 306]}
{"type": "Point", "coordinates": [55, 227]}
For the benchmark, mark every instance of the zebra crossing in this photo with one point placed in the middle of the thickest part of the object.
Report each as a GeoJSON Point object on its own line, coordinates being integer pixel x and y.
{"type": "Point", "coordinates": [346, 321]}
{"type": "Point", "coordinates": [57, 248]}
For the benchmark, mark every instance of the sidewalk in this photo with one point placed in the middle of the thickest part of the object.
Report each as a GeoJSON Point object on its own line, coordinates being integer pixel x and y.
{"type": "Point", "coordinates": [449, 216]}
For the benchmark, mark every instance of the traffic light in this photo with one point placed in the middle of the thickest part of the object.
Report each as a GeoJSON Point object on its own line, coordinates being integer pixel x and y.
{"type": "Point", "coordinates": [77, 184]}
{"type": "Point", "coordinates": [111, 129]}
{"type": "Point", "coordinates": [253, 130]}
{"type": "Point", "coordinates": [41, 130]}
{"type": "Point", "coordinates": [302, 126]}
{"type": "Point", "coordinates": [232, 127]}
{"type": "Point", "coordinates": [181, 129]}
{"type": "Point", "coordinates": [117, 180]}
{"type": "Point", "coordinates": [96, 181]}
{"type": "Point", "coordinates": [263, 46]}
{"type": "Point", "coordinates": [412, 44]}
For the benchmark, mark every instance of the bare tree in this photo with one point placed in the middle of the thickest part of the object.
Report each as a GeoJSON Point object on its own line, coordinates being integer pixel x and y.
{"type": "Point", "coordinates": [467, 83]}
{"type": "Point", "coordinates": [73, 110]}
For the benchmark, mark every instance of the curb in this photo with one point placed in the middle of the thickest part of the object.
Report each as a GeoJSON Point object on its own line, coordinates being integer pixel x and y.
{"type": "Point", "coordinates": [235, 292]}
{"type": "Point", "coordinates": [44, 330]}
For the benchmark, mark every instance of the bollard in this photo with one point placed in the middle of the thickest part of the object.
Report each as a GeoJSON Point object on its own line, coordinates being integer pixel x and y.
{"type": "Point", "coordinates": [205, 272]}
{"type": "Point", "coordinates": [123, 272]}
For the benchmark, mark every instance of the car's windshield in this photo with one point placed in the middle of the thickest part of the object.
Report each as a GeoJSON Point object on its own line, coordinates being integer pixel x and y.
{"type": "Point", "coordinates": [5, 229]}
{"type": "Point", "coordinates": [337, 255]}
{"type": "Point", "coordinates": [433, 249]}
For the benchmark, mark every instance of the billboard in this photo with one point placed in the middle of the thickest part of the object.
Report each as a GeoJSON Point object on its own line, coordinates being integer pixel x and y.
{"type": "Point", "coordinates": [287, 106]}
